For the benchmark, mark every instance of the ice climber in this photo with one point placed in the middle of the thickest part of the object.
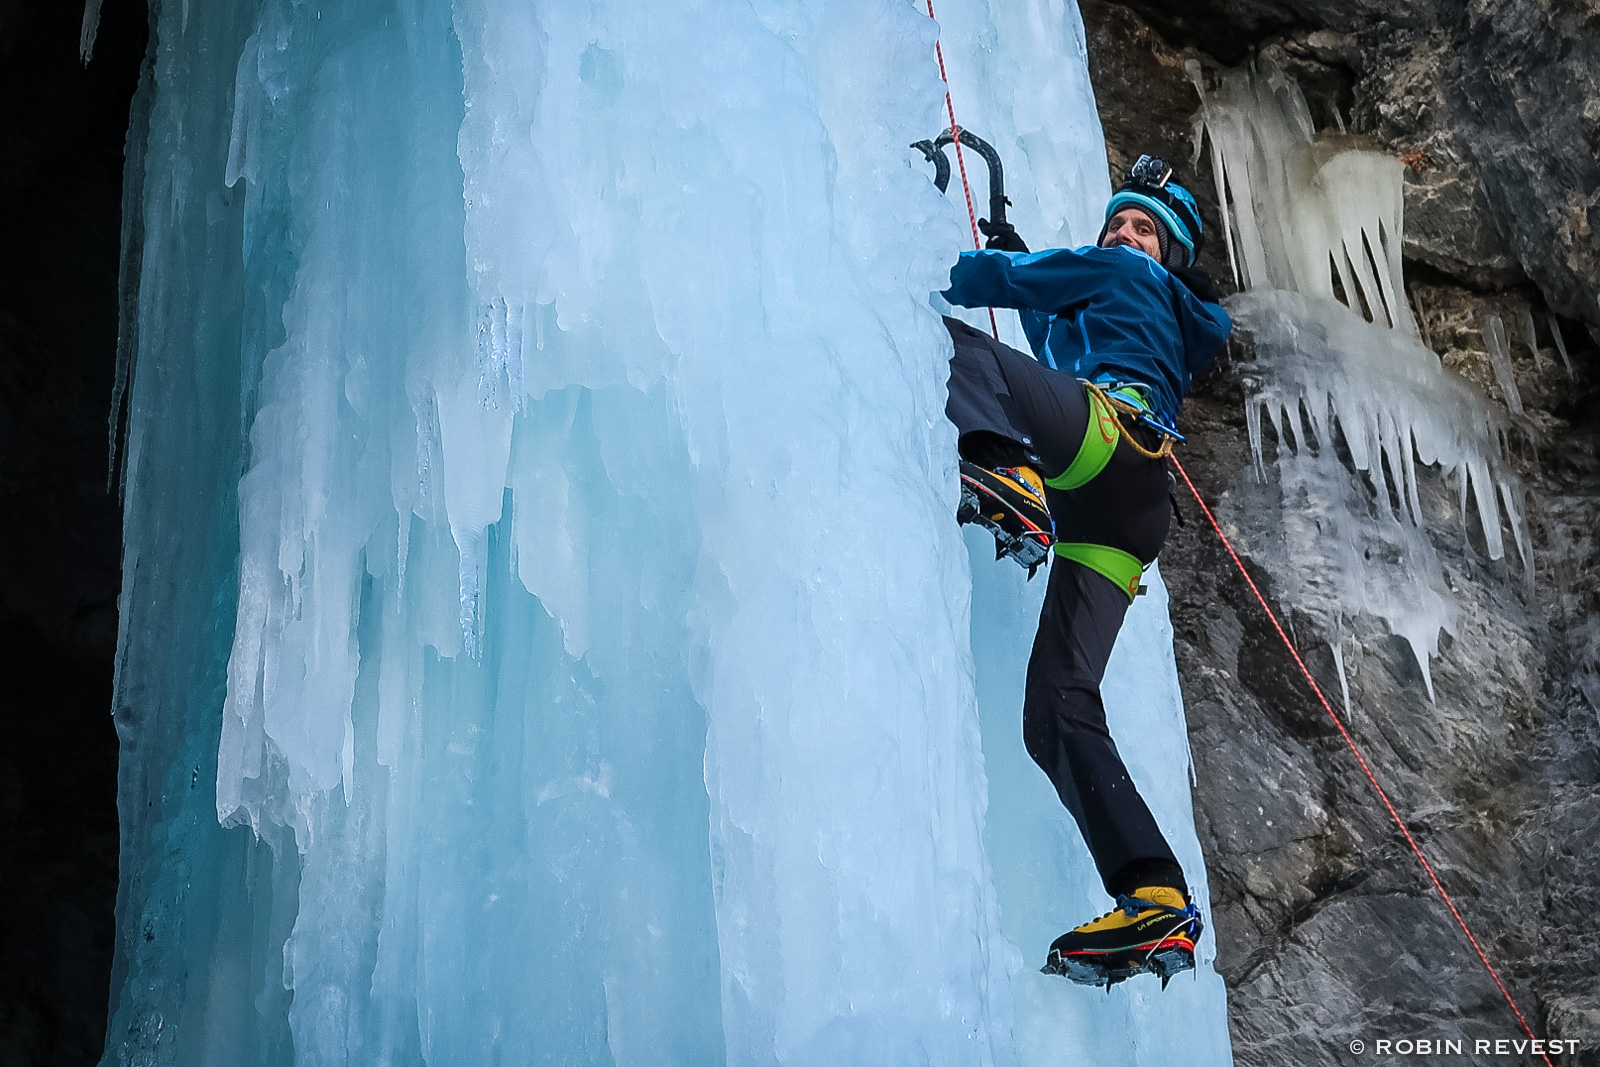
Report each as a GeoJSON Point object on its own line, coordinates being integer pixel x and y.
{"type": "Point", "coordinates": [1065, 452]}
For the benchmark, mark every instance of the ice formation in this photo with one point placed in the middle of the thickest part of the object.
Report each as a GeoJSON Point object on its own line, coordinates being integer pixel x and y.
{"type": "Point", "coordinates": [545, 634]}
{"type": "Point", "coordinates": [1308, 214]}
{"type": "Point", "coordinates": [1561, 343]}
{"type": "Point", "coordinates": [89, 30]}
{"type": "Point", "coordinates": [1323, 377]}
{"type": "Point", "coordinates": [1530, 335]}
{"type": "Point", "coordinates": [1494, 337]}
{"type": "Point", "coordinates": [1315, 229]}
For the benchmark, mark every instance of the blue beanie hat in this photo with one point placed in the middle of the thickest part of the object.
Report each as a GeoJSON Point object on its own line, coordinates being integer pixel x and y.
{"type": "Point", "coordinates": [1149, 188]}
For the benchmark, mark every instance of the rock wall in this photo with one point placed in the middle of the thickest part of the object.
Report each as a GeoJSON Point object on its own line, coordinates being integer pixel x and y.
{"type": "Point", "coordinates": [1328, 930]}
{"type": "Point", "coordinates": [1501, 96]}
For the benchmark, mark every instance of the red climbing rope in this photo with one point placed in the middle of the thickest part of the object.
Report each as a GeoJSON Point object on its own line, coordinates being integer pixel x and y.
{"type": "Point", "coordinates": [1365, 767]}
{"type": "Point", "coordinates": [961, 159]}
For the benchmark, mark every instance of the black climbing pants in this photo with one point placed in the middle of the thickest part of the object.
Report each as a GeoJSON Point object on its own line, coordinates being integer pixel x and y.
{"type": "Point", "coordinates": [1010, 409]}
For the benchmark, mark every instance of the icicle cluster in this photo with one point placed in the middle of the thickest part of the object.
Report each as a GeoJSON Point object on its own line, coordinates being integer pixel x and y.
{"type": "Point", "coordinates": [1324, 376]}
{"type": "Point", "coordinates": [1307, 214]}
{"type": "Point", "coordinates": [1314, 232]}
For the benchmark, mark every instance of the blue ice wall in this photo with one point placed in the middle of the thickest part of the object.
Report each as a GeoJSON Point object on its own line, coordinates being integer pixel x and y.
{"type": "Point", "coordinates": [545, 635]}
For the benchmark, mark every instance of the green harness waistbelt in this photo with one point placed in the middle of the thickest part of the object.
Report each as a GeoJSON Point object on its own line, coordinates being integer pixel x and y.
{"type": "Point", "coordinates": [1100, 439]}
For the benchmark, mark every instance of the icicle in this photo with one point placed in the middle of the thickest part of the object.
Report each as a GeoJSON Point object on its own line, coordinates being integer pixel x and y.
{"type": "Point", "coordinates": [473, 551]}
{"type": "Point", "coordinates": [90, 29]}
{"type": "Point", "coordinates": [1424, 645]}
{"type": "Point", "coordinates": [515, 342]}
{"type": "Point", "coordinates": [128, 269]}
{"type": "Point", "coordinates": [1337, 645]}
{"type": "Point", "coordinates": [1398, 407]}
{"type": "Point", "coordinates": [1494, 337]}
{"type": "Point", "coordinates": [1513, 498]}
{"type": "Point", "coordinates": [245, 131]}
{"type": "Point", "coordinates": [1296, 207]}
{"type": "Point", "coordinates": [393, 679]}
{"type": "Point", "coordinates": [1380, 478]}
{"type": "Point", "coordinates": [1561, 344]}
{"type": "Point", "coordinates": [1408, 463]}
{"type": "Point", "coordinates": [1201, 122]}
{"type": "Point", "coordinates": [1252, 422]}
{"type": "Point", "coordinates": [1530, 334]}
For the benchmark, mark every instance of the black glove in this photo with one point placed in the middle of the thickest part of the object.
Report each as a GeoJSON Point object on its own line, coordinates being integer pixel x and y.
{"type": "Point", "coordinates": [1002, 235]}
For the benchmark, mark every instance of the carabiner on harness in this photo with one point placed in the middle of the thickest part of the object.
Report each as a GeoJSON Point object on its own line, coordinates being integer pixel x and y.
{"type": "Point", "coordinates": [1124, 398]}
{"type": "Point", "coordinates": [1135, 397]}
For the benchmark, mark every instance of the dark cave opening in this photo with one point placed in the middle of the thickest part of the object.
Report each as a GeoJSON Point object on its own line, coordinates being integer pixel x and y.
{"type": "Point", "coordinates": [62, 133]}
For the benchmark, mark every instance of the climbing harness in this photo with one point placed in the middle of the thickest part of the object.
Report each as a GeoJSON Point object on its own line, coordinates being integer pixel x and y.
{"type": "Point", "coordinates": [1109, 403]}
{"type": "Point", "coordinates": [1126, 399]}
{"type": "Point", "coordinates": [1122, 569]}
{"type": "Point", "coordinates": [1133, 399]}
{"type": "Point", "coordinates": [1169, 436]}
{"type": "Point", "coordinates": [1100, 437]}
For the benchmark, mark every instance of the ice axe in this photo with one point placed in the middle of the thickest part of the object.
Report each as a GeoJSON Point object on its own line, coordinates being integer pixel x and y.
{"type": "Point", "coordinates": [933, 151]}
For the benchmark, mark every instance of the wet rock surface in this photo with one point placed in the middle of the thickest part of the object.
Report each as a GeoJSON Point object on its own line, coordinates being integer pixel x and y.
{"type": "Point", "coordinates": [1328, 929]}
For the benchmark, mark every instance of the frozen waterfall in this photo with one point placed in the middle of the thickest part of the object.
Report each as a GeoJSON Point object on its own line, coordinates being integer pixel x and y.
{"type": "Point", "coordinates": [545, 635]}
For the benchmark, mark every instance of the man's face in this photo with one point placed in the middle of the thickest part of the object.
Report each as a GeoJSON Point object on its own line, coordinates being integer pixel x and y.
{"type": "Point", "coordinates": [1130, 226]}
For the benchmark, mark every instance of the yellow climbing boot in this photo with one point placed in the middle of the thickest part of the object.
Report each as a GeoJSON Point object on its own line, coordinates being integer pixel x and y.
{"type": "Point", "coordinates": [1009, 502]}
{"type": "Point", "coordinates": [1152, 929]}
{"type": "Point", "coordinates": [1024, 477]}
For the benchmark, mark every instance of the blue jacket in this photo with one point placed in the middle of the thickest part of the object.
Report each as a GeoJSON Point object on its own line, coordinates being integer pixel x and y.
{"type": "Point", "coordinates": [1093, 311]}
